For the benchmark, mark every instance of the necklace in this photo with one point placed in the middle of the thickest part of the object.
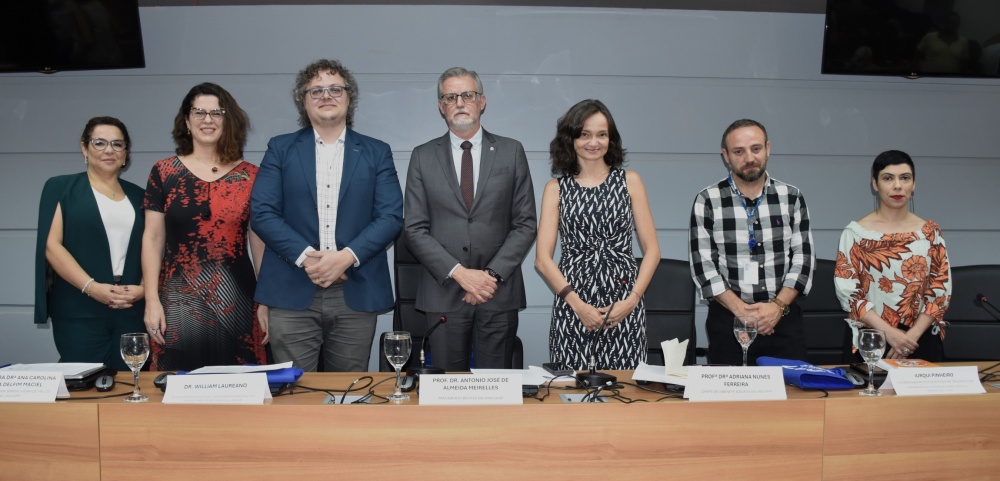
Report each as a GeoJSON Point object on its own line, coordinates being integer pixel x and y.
{"type": "Point", "coordinates": [592, 181]}
{"type": "Point", "coordinates": [105, 190]}
{"type": "Point", "coordinates": [215, 168]}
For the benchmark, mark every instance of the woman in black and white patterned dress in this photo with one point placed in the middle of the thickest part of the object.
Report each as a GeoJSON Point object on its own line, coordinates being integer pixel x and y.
{"type": "Point", "coordinates": [593, 206]}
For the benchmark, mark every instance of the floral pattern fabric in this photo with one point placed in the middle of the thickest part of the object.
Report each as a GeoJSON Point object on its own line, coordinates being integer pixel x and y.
{"type": "Point", "coordinates": [898, 275]}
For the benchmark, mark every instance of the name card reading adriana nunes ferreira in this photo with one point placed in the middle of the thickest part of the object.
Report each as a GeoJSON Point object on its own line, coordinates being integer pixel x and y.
{"type": "Point", "coordinates": [471, 389]}
{"type": "Point", "coordinates": [714, 383]}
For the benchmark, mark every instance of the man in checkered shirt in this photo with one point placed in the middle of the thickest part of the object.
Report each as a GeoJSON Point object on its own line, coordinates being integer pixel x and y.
{"type": "Point", "coordinates": [751, 251]}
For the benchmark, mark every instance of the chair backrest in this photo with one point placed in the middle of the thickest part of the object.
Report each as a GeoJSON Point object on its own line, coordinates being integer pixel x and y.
{"type": "Point", "coordinates": [405, 317]}
{"type": "Point", "coordinates": [827, 334]}
{"type": "Point", "coordinates": [973, 332]}
{"type": "Point", "coordinates": [670, 301]}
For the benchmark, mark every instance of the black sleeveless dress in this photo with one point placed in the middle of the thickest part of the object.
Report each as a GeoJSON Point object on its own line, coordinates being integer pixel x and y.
{"type": "Point", "coordinates": [595, 231]}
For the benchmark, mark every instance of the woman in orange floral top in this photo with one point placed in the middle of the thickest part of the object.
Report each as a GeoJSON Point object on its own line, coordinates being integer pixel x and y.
{"type": "Point", "coordinates": [892, 269]}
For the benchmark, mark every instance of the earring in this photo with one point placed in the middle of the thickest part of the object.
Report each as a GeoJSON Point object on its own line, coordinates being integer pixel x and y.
{"type": "Point", "coordinates": [912, 195]}
{"type": "Point", "coordinates": [875, 201]}
{"type": "Point", "coordinates": [189, 131]}
{"type": "Point", "coordinates": [86, 160]}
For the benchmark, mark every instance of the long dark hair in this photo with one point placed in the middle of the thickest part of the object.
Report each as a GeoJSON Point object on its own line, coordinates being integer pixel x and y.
{"type": "Point", "coordinates": [570, 126]}
{"type": "Point", "coordinates": [88, 131]}
{"type": "Point", "coordinates": [235, 124]}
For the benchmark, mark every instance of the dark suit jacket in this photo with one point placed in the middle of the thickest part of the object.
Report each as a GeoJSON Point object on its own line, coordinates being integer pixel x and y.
{"type": "Point", "coordinates": [85, 238]}
{"type": "Point", "coordinates": [284, 214]}
{"type": "Point", "coordinates": [496, 234]}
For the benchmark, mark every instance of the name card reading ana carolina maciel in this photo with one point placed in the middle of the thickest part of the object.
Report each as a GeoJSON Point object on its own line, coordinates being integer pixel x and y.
{"type": "Point", "coordinates": [716, 383]}
{"type": "Point", "coordinates": [470, 389]}
{"type": "Point", "coordinates": [32, 386]}
{"type": "Point", "coordinates": [249, 388]}
{"type": "Point", "coordinates": [917, 381]}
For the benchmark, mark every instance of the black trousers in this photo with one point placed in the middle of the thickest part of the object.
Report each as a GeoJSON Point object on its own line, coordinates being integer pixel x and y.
{"type": "Point", "coordinates": [787, 342]}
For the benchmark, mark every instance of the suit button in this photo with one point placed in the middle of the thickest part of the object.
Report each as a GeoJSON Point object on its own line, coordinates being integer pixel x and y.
{"type": "Point", "coordinates": [470, 221]}
{"type": "Point", "coordinates": [466, 249]}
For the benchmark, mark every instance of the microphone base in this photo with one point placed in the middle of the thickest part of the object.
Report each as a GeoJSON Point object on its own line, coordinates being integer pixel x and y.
{"type": "Point", "coordinates": [418, 371]}
{"type": "Point", "coordinates": [594, 379]}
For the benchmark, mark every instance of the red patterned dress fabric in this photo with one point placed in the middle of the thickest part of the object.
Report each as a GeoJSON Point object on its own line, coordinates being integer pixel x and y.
{"type": "Point", "coordinates": [207, 280]}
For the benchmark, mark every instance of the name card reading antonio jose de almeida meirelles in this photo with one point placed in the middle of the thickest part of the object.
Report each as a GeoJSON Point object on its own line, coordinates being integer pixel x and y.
{"type": "Point", "coordinates": [471, 389]}
{"type": "Point", "coordinates": [716, 383]}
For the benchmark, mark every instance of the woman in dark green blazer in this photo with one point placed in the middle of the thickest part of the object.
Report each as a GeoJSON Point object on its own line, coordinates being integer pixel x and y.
{"type": "Point", "coordinates": [88, 278]}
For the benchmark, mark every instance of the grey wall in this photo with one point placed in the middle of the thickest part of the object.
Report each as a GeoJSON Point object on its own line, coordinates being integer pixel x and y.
{"type": "Point", "coordinates": [674, 79]}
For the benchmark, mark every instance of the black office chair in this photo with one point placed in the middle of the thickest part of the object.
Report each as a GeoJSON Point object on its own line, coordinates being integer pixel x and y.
{"type": "Point", "coordinates": [406, 317]}
{"type": "Point", "coordinates": [973, 332]}
{"type": "Point", "coordinates": [828, 338]}
{"type": "Point", "coordinates": [669, 303]}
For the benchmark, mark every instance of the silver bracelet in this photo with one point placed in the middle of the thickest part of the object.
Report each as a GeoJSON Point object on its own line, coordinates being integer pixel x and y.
{"type": "Point", "coordinates": [83, 290]}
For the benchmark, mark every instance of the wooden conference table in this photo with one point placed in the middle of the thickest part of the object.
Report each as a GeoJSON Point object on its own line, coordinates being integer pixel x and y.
{"type": "Point", "coordinates": [842, 436]}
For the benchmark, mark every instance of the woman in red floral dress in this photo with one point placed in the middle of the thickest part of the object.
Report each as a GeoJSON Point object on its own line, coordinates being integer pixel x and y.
{"type": "Point", "coordinates": [195, 260]}
{"type": "Point", "coordinates": [892, 270]}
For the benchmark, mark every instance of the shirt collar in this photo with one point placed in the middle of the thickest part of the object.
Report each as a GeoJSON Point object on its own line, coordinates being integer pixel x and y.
{"type": "Point", "coordinates": [340, 140]}
{"type": "Point", "coordinates": [456, 141]}
{"type": "Point", "coordinates": [735, 191]}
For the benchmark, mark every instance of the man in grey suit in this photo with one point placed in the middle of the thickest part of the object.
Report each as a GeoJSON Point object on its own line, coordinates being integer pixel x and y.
{"type": "Point", "coordinates": [469, 218]}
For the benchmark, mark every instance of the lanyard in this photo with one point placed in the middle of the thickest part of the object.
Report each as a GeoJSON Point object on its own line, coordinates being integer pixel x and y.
{"type": "Point", "coordinates": [751, 212]}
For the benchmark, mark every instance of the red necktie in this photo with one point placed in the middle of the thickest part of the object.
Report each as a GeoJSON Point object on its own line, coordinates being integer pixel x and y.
{"type": "Point", "coordinates": [467, 185]}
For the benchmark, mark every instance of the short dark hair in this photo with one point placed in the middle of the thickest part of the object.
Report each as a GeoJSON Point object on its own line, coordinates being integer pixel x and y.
{"type": "Point", "coordinates": [312, 71]}
{"type": "Point", "coordinates": [892, 157]}
{"type": "Point", "coordinates": [570, 126]}
{"type": "Point", "coordinates": [739, 124]}
{"type": "Point", "coordinates": [235, 125]}
{"type": "Point", "coordinates": [88, 131]}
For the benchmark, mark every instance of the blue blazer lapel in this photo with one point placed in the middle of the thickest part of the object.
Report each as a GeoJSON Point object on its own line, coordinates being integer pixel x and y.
{"type": "Point", "coordinates": [352, 156]}
{"type": "Point", "coordinates": [305, 150]}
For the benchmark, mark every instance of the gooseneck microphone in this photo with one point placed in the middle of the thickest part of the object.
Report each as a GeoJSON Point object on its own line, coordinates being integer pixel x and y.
{"type": "Point", "coordinates": [981, 301]}
{"type": "Point", "coordinates": [594, 378]}
{"type": "Point", "coordinates": [424, 368]}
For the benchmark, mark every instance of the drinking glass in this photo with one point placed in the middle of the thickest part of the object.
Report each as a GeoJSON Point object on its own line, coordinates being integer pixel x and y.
{"type": "Point", "coordinates": [135, 351]}
{"type": "Point", "coordinates": [871, 345]}
{"type": "Point", "coordinates": [397, 351]}
{"type": "Point", "coordinates": [745, 329]}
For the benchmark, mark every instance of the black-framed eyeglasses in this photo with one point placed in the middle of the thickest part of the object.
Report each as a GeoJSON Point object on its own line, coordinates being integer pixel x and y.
{"type": "Point", "coordinates": [200, 114]}
{"type": "Point", "coordinates": [334, 91]}
{"type": "Point", "coordinates": [467, 97]}
{"type": "Point", "coordinates": [101, 144]}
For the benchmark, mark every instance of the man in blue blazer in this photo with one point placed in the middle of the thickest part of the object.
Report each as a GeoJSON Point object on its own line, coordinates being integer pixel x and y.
{"type": "Point", "coordinates": [327, 203]}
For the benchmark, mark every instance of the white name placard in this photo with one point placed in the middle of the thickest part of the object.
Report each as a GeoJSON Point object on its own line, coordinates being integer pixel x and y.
{"type": "Point", "coordinates": [919, 381]}
{"type": "Point", "coordinates": [250, 388]}
{"type": "Point", "coordinates": [31, 386]}
{"type": "Point", "coordinates": [717, 383]}
{"type": "Point", "coordinates": [470, 389]}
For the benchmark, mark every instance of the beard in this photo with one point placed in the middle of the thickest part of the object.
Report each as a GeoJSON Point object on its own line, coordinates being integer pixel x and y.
{"type": "Point", "coordinates": [752, 172]}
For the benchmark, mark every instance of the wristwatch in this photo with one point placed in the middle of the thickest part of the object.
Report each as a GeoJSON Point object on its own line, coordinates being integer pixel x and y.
{"type": "Point", "coordinates": [494, 275]}
{"type": "Point", "coordinates": [784, 307]}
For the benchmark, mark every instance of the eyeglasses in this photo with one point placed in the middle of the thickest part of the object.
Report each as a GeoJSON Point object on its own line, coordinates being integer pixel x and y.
{"type": "Point", "coordinates": [468, 97]}
{"type": "Point", "coordinates": [200, 114]}
{"type": "Point", "coordinates": [335, 92]}
{"type": "Point", "coordinates": [101, 144]}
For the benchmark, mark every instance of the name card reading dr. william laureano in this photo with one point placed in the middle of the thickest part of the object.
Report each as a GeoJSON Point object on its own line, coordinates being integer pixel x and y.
{"type": "Point", "coordinates": [715, 383]}
{"type": "Point", "coordinates": [250, 388]}
{"type": "Point", "coordinates": [470, 389]}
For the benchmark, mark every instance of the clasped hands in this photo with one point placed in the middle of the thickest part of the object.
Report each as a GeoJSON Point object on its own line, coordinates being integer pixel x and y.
{"type": "Point", "coordinates": [115, 296]}
{"type": "Point", "coordinates": [326, 268]}
{"type": "Point", "coordinates": [767, 313]}
{"type": "Point", "coordinates": [479, 286]}
{"type": "Point", "coordinates": [900, 342]}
